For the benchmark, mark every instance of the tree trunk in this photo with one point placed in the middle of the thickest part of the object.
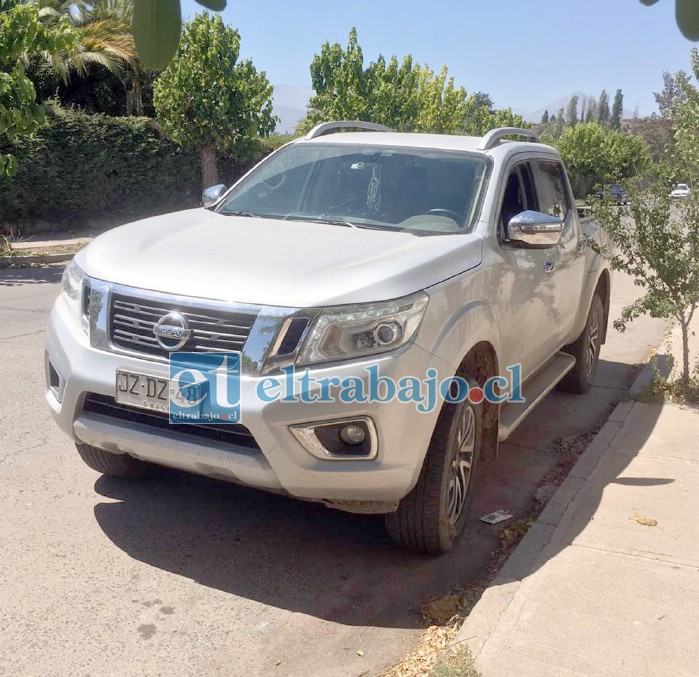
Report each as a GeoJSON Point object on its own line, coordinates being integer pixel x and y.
{"type": "Point", "coordinates": [685, 351]}
{"type": "Point", "coordinates": [209, 171]}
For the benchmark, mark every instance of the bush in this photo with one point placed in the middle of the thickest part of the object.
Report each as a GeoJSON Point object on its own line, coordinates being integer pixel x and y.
{"type": "Point", "coordinates": [99, 171]}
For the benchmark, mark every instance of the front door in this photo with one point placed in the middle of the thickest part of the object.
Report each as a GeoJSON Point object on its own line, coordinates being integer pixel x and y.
{"type": "Point", "coordinates": [530, 317]}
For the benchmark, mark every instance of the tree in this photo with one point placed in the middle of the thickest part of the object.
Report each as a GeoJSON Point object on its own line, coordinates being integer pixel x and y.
{"type": "Point", "coordinates": [209, 101]}
{"type": "Point", "coordinates": [560, 124]}
{"type": "Point", "coordinates": [481, 118]}
{"type": "Point", "coordinates": [617, 110]}
{"type": "Point", "coordinates": [656, 132]}
{"type": "Point", "coordinates": [102, 74]}
{"type": "Point", "coordinates": [401, 94]}
{"type": "Point", "coordinates": [22, 35]}
{"type": "Point", "coordinates": [591, 113]}
{"type": "Point", "coordinates": [545, 118]}
{"type": "Point", "coordinates": [658, 245]}
{"type": "Point", "coordinates": [572, 111]}
{"type": "Point", "coordinates": [597, 155]}
{"type": "Point", "coordinates": [673, 91]}
{"type": "Point", "coordinates": [603, 108]}
{"type": "Point", "coordinates": [685, 122]}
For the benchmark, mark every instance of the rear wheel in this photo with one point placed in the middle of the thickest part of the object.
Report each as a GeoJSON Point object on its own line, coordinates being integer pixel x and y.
{"type": "Point", "coordinates": [586, 351]}
{"type": "Point", "coordinates": [113, 465]}
{"type": "Point", "coordinates": [433, 515]}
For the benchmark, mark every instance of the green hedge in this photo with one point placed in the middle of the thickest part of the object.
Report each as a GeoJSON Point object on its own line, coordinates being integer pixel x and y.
{"type": "Point", "coordinates": [94, 170]}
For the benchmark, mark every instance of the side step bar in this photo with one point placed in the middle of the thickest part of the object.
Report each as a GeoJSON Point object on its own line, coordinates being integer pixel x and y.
{"type": "Point", "coordinates": [533, 391]}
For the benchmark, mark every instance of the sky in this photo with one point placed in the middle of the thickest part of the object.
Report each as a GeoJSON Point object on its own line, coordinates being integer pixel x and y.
{"type": "Point", "coordinates": [524, 53]}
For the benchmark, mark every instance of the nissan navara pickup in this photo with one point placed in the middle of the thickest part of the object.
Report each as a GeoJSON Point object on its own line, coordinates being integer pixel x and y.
{"type": "Point", "coordinates": [351, 252]}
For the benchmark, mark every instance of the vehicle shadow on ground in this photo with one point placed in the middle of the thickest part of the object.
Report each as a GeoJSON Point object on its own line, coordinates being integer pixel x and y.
{"type": "Point", "coordinates": [339, 567]}
{"type": "Point", "coordinates": [14, 277]}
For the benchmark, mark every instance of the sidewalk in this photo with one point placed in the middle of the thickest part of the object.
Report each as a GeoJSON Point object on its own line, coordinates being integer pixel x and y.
{"type": "Point", "coordinates": [606, 582]}
{"type": "Point", "coordinates": [49, 241]}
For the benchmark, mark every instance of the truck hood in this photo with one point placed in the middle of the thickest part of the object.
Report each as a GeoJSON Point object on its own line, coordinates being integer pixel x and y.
{"type": "Point", "coordinates": [271, 262]}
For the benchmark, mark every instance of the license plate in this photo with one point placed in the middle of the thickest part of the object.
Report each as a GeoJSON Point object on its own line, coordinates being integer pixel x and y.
{"type": "Point", "coordinates": [142, 391]}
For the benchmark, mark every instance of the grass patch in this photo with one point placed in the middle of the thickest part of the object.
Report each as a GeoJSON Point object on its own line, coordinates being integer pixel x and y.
{"type": "Point", "coordinates": [673, 390]}
{"type": "Point", "coordinates": [455, 662]}
{"type": "Point", "coordinates": [6, 248]}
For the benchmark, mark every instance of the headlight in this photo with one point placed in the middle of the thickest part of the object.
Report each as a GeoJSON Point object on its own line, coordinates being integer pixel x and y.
{"type": "Point", "coordinates": [346, 332]}
{"type": "Point", "coordinates": [72, 289]}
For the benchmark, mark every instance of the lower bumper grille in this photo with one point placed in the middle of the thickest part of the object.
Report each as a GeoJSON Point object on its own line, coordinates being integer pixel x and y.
{"type": "Point", "coordinates": [228, 433]}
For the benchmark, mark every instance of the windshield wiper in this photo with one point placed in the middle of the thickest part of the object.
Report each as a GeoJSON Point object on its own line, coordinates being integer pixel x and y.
{"type": "Point", "coordinates": [227, 213]}
{"type": "Point", "coordinates": [313, 219]}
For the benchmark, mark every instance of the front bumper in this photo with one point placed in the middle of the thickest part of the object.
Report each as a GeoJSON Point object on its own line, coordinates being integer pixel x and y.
{"type": "Point", "coordinates": [282, 463]}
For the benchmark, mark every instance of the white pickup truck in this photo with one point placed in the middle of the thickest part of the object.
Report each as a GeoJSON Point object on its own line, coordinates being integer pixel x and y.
{"type": "Point", "coordinates": [416, 255]}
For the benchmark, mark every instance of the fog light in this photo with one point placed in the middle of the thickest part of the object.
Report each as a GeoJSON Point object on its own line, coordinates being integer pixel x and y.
{"type": "Point", "coordinates": [387, 333]}
{"type": "Point", "coordinates": [54, 380]}
{"type": "Point", "coordinates": [351, 439]}
{"type": "Point", "coordinates": [352, 435]}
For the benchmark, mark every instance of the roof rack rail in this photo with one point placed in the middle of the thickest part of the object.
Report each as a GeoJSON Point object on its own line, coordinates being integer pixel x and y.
{"type": "Point", "coordinates": [494, 136]}
{"type": "Point", "coordinates": [332, 127]}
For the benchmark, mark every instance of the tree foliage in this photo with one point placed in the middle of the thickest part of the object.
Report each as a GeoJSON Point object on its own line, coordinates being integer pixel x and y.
{"type": "Point", "coordinates": [596, 155]}
{"type": "Point", "coordinates": [617, 110]}
{"type": "Point", "coordinates": [102, 73]}
{"type": "Point", "coordinates": [685, 122]}
{"type": "Point", "coordinates": [658, 245]}
{"type": "Point", "coordinates": [21, 35]}
{"type": "Point", "coordinates": [603, 108]}
{"type": "Point", "coordinates": [672, 92]}
{"type": "Point", "coordinates": [591, 112]}
{"type": "Point", "coordinates": [402, 94]}
{"type": "Point", "coordinates": [572, 111]}
{"type": "Point", "coordinates": [208, 100]}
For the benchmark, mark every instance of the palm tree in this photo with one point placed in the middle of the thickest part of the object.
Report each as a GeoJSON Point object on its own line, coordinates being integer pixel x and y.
{"type": "Point", "coordinates": [105, 41]}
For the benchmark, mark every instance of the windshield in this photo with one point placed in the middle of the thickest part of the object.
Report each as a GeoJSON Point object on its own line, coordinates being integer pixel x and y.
{"type": "Point", "coordinates": [422, 191]}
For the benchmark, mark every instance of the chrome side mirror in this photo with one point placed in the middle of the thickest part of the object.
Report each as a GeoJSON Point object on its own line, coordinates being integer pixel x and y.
{"type": "Point", "coordinates": [213, 194]}
{"type": "Point", "coordinates": [534, 230]}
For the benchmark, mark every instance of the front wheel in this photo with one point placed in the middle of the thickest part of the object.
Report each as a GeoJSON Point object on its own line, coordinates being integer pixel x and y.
{"type": "Point", "coordinates": [113, 465]}
{"type": "Point", "coordinates": [586, 351]}
{"type": "Point", "coordinates": [433, 515]}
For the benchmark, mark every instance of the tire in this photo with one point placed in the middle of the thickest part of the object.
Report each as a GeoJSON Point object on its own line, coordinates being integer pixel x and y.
{"type": "Point", "coordinates": [586, 351]}
{"type": "Point", "coordinates": [113, 465]}
{"type": "Point", "coordinates": [432, 516]}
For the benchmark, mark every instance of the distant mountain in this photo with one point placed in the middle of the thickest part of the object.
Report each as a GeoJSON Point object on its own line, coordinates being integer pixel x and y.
{"type": "Point", "coordinates": [554, 106]}
{"type": "Point", "coordinates": [290, 104]}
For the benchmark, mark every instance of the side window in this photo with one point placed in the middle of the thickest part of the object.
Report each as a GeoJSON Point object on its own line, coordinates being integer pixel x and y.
{"type": "Point", "coordinates": [529, 190]}
{"type": "Point", "coordinates": [553, 194]}
{"type": "Point", "coordinates": [513, 200]}
{"type": "Point", "coordinates": [520, 194]}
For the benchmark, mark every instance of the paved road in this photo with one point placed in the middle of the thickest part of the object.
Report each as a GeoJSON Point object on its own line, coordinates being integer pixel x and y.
{"type": "Point", "coordinates": [182, 575]}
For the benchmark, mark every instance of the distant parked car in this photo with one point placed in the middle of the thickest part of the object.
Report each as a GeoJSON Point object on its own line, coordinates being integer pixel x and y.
{"type": "Point", "coordinates": [615, 191]}
{"type": "Point", "coordinates": [680, 190]}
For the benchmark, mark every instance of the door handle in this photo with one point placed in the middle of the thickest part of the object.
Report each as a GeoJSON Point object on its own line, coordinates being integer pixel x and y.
{"type": "Point", "coordinates": [549, 266]}
{"type": "Point", "coordinates": [581, 247]}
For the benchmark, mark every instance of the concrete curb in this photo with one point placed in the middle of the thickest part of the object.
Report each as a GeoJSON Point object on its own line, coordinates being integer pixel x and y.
{"type": "Point", "coordinates": [486, 614]}
{"type": "Point", "coordinates": [18, 261]}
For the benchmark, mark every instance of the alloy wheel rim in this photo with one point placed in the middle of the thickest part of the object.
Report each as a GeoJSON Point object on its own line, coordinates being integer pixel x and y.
{"type": "Point", "coordinates": [592, 345]}
{"type": "Point", "coordinates": [461, 466]}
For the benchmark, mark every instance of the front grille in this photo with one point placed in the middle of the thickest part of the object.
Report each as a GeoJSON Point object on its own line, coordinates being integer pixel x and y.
{"type": "Point", "coordinates": [132, 321]}
{"type": "Point", "coordinates": [228, 433]}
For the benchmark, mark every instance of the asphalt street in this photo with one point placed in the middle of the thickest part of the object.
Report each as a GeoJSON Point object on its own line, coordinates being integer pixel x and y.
{"type": "Point", "coordinates": [182, 575]}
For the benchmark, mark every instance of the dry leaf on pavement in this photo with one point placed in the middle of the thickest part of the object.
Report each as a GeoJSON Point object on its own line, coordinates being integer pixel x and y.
{"type": "Point", "coordinates": [645, 521]}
